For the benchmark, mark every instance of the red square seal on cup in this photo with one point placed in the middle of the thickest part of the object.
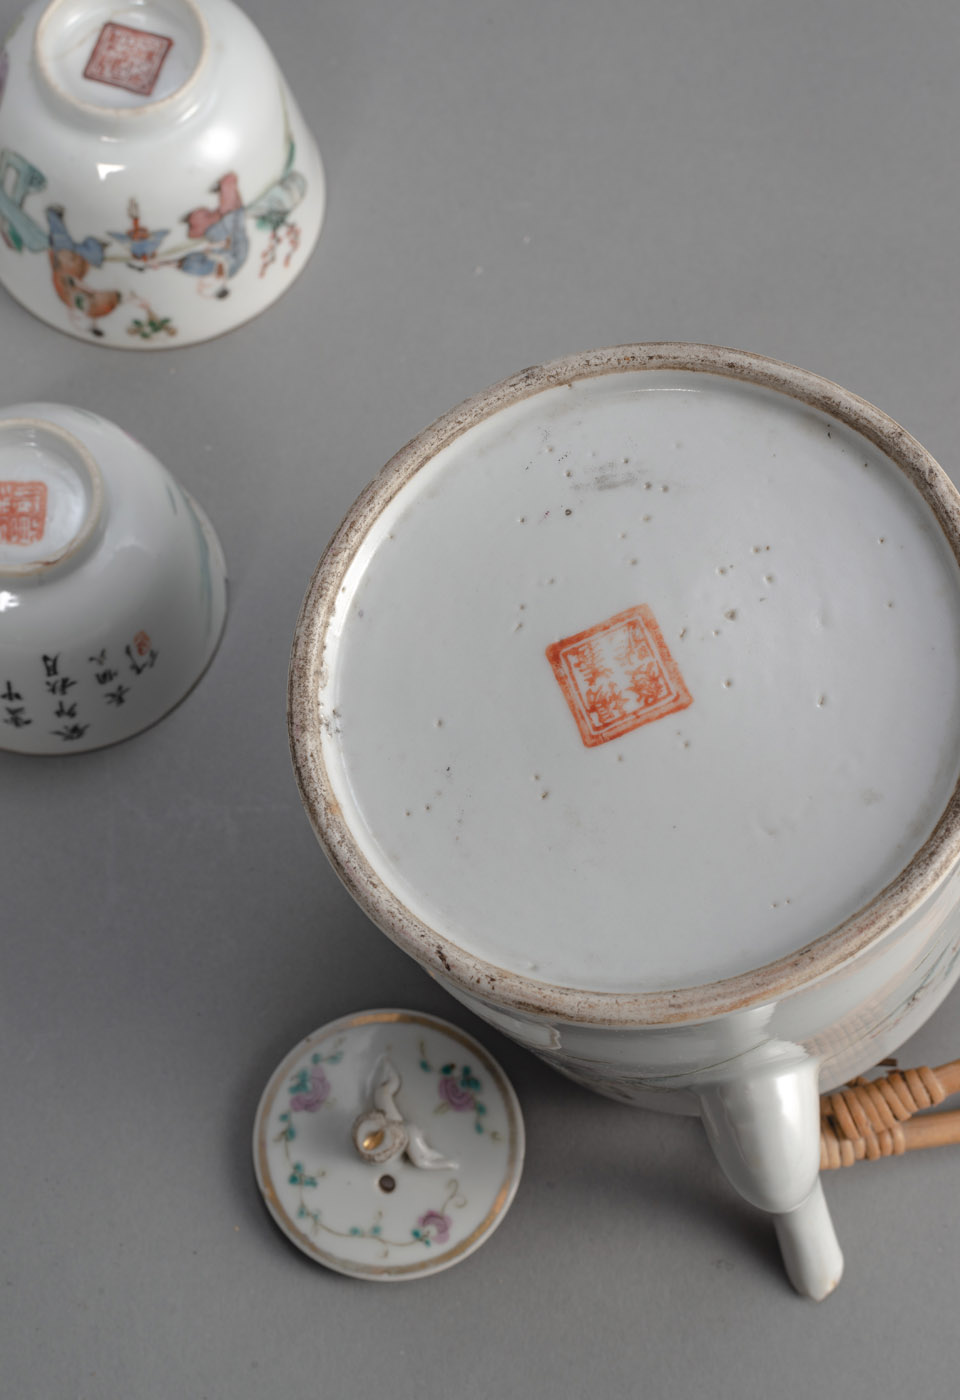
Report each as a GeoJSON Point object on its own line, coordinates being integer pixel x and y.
{"type": "Point", "coordinates": [127, 58]}
{"type": "Point", "coordinates": [23, 511]}
{"type": "Point", "coordinates": [618, 675]}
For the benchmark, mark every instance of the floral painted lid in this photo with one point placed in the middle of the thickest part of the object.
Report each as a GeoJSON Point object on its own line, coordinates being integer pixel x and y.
{"type": "Point", "coordinates": [388, 1145]}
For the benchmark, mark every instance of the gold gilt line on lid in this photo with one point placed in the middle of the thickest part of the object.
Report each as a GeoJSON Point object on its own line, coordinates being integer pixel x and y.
{"type": "Point", "coordinates": [286, 1223]}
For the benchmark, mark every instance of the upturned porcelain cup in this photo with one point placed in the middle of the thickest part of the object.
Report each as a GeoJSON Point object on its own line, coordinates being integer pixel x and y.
{"type": "Point", "coordinates": [158, 185]}
{"type": "Point", "coordinates": [113, 589]}
{"type": "Point", "coordinates": [627, 701]}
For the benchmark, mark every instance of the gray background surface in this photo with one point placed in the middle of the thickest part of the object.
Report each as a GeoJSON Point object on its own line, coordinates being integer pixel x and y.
{"type": "Point", "coordinates": [508, 182]}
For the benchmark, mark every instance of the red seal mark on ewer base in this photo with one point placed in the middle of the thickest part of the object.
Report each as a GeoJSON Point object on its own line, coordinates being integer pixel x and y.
{"type": "Point", "coordinates": [128, 58]}
{"type": "Point", "coordinates": [618, 675]}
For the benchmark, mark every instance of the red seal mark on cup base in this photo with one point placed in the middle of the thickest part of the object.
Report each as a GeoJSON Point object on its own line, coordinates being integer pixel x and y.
{"type": "Point", "coordinates": [127, 58]}
{"type": "Point", "coordinates": [618, 675]}
{"type": "Point", "coordinates": [23, 511]}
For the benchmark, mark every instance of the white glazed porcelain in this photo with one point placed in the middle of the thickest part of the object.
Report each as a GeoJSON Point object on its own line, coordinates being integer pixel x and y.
{"type": "Point", "coordinates": [113, 587]}
{"type": "Point", "coordinates": [627, 700]}
{"type": "Point", "coordinates": [157, 183]}
{"type": "Point", "coordinates": [388, 1145]}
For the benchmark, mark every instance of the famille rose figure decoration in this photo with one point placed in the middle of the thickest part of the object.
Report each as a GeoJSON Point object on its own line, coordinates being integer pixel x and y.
{"type": "Point", "coordinates": [113, 589]}
{"type": "Point", "coordinates": [158, 185]}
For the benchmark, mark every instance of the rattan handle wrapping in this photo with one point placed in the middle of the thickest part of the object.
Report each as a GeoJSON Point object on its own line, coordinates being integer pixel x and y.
{"type": "Point", "coordinates": [875, 1118]}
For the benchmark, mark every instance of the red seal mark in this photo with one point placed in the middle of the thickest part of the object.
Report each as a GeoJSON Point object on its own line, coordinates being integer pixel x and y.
{"type": "Point", "coordinates": [127, 58]}
{"type": "Point", "coordinates": [23, 511]}
{"type": "Point", "coordinates": [618, 675]}
{"type": "Point", "coordinates": [141, 643]}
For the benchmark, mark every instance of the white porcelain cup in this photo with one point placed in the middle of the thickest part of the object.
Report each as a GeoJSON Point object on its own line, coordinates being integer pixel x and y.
{"type": "Point", "coordinates": [113, 589]}
{"type": "Point", "coordinates": [627, 701]}
{"type": "Point", "coordinates": [158, 185]}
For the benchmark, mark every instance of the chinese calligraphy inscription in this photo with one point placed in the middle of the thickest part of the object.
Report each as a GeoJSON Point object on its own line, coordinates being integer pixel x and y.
{"type": "Point", "coordinates": [73, 696]}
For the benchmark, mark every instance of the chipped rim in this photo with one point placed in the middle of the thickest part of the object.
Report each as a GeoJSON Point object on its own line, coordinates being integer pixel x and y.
{"type": "Point", "coordinates": [500, 986]}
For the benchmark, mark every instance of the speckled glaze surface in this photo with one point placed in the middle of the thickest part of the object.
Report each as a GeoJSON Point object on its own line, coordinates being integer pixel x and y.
{"type": "Point", "coordinates": [861, 954]}
{"type": "Point", "coordinates": [394, 1213]}
{"type": "Point", "coordinates": [321, 733]}
{"type": "Point", "coordinates": [157, 183]}
{"type": "Point", "coordinates": [113, 591]}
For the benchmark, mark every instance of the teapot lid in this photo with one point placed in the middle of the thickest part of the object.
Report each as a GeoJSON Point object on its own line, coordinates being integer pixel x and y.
{"type": "Point", "coordinates": [388, 1145]}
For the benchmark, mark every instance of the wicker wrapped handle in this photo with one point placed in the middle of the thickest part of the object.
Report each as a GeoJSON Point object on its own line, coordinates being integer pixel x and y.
{"type": "Point", "coordinates": [874, 1118]}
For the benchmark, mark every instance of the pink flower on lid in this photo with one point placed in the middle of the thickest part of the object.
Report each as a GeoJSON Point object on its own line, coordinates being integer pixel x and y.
{"type": "Point", "coordinates": [436, 1225]}
{"type": "Point", "coordinates": [313, 1093]}
{"type": "Point", "coordinates": [455, 1095]}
